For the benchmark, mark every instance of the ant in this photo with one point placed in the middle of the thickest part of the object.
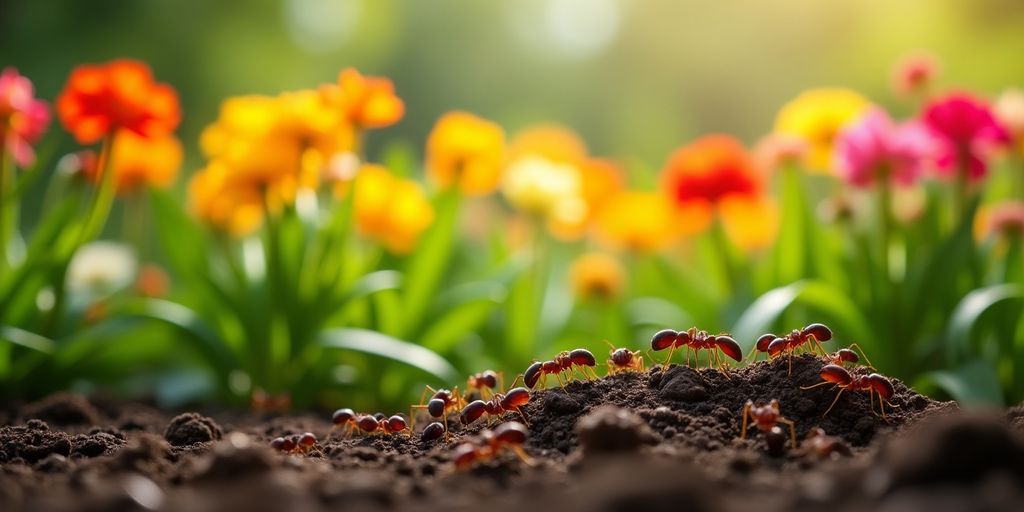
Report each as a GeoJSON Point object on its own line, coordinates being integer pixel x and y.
{"type": "Point", "coordinates": [295, 443]}
{"type": "Point", "coordinates": [623, 360]}
{"type": "Point", "coordinates": [490, 444]}
{"type": "Point", "coordinates": [433, 431]}
{"type": "Point", "coordinates": [374, 424]}
{"type": "Point", "coordinates": [496, 406]}
{"type": "Point", "coordinates": [564, 362]}
{"type": "Point", "coordinates": [765, 417]}
{"type": "Point", "coordinates": [484, 383]}
{"type": "Point", "coordinates": [440, 404]}
{"type": "Point", "coordinates": [696, 340]}
{"type": "Point", "coordinates": [823, 445]}
{"type": "Point", "coordinates": [848, 355]}
{"type": "Point", "coordinates": [774, 345]}
{"type": "Point", "coordinates": [872, 383]}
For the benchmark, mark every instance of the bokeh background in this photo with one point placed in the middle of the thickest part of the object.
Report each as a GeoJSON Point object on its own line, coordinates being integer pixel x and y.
{"type": "Point", "coordinates": [634, 78]}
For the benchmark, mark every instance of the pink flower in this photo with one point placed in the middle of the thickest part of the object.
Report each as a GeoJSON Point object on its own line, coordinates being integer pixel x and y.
{"type": "Point", "coordinates": [873, 148]}
{"type": "Point", "coordinates": [23, 119]}
{"type": "Point", "coordinates": [914, 73]}
{"type": "Point", "coordinates": [968, 132]}
{"type": "Point", "coordinates": [1006, 218]}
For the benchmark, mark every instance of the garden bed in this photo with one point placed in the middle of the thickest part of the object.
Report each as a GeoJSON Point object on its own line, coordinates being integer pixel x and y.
{"type": "Point", "coordinates": [676, 447]}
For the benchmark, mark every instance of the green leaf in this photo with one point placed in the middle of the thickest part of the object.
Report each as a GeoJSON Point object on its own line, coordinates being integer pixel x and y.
{"type": "Point", "coordinates": [655, 311]}
{"type": "Point", "coordinates": [382, 345]}
{"type": "Point", "coordinates": [969, 312]}
{"type": "Point", "coordinates": [763, 314]}
{"type": "Point", "coordinates": [27, 339]}
{"type": "Point", "coordinates": [460, 311]}
{"type": "Point", "coordinates": [972, 384]}
{"type": "Point", "coordinates": [428, 264]}
{"type": "Point", "coordinates": [183, 242]}
{"type": "Point", "coordinates": [789, 256]}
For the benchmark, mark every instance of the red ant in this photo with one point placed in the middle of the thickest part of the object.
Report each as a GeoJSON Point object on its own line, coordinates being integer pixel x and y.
{"type": "Point", "coordinates": [872, 383]}
{"type": "Point", "coordinates": [373, 424]}
{"type": "Point", "coordinates": [490, 444]}
{"type": "Point", "coordinates": [623, 360]}
{"type": "Point", "coordinates": [564, 362]}
{"type": "Point", "coordinates": [433, 431]}
{"type": "Point", "coordinates": [484, 383]}
{"type": "Point", "coordinates": [496, 406]}
{"type": "Point", "coordinates": [823, 445]}
{"type": "Point", "coordinates": [765, 417]}
{"type": "Point", "coordinates": [774, 345]}
{"type": "Point", "coordinates": [440, 404]}
{"type": "Point", "coordinates": [848, 355]}
{"type": "Point", "coordinates": [696, 340]}
{"type": "Point", "coordinates": [295, 443]}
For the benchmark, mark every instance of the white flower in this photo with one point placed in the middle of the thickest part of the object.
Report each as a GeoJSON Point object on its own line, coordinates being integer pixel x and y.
{"type": "Point", "coordinates": [101, 268]}
{"type": "Point", "coordinates": [537, 185]}
{"type": "Point", "coordinates": [1009, 109]}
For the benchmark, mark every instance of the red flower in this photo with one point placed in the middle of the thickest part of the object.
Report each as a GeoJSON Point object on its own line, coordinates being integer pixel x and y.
{"type": "Point", "coordinates": [23, 119]}
{"type": "Point", "coordinates": [967, 130]}
{"type": "Point", "coordinates": [100, 99]}
{"type": "Point", "coordinates": [710, 170]}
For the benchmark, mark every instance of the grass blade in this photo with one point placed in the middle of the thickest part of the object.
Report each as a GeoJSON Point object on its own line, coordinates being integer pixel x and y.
{"type": "Point", "coordinates": [382, 345]}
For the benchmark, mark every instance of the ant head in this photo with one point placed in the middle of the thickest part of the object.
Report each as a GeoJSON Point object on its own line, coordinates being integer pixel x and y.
{"type": "Point", "coordinates": [621, 356]}
{"type": "Point", "coordinates": [488, 378]}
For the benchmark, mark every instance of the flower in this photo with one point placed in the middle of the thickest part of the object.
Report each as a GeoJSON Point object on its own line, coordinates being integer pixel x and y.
{"type": "Point", "coordinates": [967, 131]}
{"type": "Point", "coordinates": [777, 150]}
{"type": "Point", "coordinates": [365, 101]}
{"type": "Point", "coordinates": [644, 221]}
{"type": "Point", "coordinates": [236, 211]}
{"type": "Point", "coordinates": [873, 148]}
{"type": "Point", "coordinates": [914, 74]}
{"type": "Point", "coordinates": [466, 151]}
{"type": "Point", "coordinates": [750, 223]}
{"type": "Point", "coordinates": [138, 162]}
{"type": "Point", "coordinates": [1006, 219]}
{"type": "Point", "coordinates": [551, 141]}
{"type": "Point", "coordinates": [708, 170]}
{"type": "Point", "coordinates": [817, 116]}
{"type": "Point", "coordinates": [545, 188]}
{"type": "Point", "coordinates": [1009, 110]}
{"type": "Point", "coordinates": [597, 275]}
{"type": "Point", "coordinates": [101, 268]}
{"type": "Point", "coordinates": [389, 209]}
{"type": "Point", "coordinates": [152, 281]}
{"type": "Point", "coordinates": [23, 119]}
{"type": "Point", "coordinates": [99, 100]}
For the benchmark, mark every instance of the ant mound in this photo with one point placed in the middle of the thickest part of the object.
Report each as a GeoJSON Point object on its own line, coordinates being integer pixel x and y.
{"type": "Point", "coordinates": [703, 409]}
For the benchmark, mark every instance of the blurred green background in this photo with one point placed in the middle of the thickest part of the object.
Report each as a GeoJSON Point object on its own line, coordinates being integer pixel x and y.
{"type": "Point", "coordinates": [635, 78]}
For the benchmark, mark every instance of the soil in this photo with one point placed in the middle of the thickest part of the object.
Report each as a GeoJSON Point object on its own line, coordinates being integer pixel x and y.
{"type": "Point", "coordinates": [659, 440]}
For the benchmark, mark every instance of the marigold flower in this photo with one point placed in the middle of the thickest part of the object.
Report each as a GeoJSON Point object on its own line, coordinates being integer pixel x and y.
{"type": "Point", "coordinates": [751, 223]}
{"type": "Point", "coordinates": [366, 101]}
{"type": "Point", "coordinates": [1009, 110]}
{"type": "Point", "coordinates": [138, 162]}
{"type": "Point", "coordinates": [213, 198]}
{"type": "Point", "coordinates": [554, 142]}
{"type": "Point", "coordinates": [873, 148]}
{"type": "Point", "coordinates": [597, 276]}
{"type": "Point", "coordinates": [600, 180]}
{"type": "Point", "coordinates": [539, 186]}
{"type": "Point", "coordinates": [466, 151]}
{"type": "Point", "coordinates": [708, 170]}
{"type": "Point", "coordinates": [967, 131]}
{"type": "Point", "coordinates": [914, 74]}
{"type": "Point", "coordinates": [646, 221]}
{"type": "Point", "coordinates": [99, 100]}
{"type": "Point", "coordinates": [23, 119]}
{"type": "Point", "coordinates": [817, 116]}
{"type": "Point", "coordinates": [389, 209]}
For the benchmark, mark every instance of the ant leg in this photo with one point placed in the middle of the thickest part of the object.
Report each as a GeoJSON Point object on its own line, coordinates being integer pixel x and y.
{"type": "Point", "coordinates": [519, 411]}
{"type": "Point", "coordinates": [668, 359]}
{"type": "Point", "coordinates": [862, 354]}
{"type": "Point", "coordinates": [501, 382]}
{"type": "Point", "coordinates": [822, 383]}
{"type": "Point", "coordinates": [520, 376]}
{"type": "Point", "coordinates": [593, 373]}
{"type": "Point", "coordinates": [792, 429]}
{"type": "Point", "coordinates": [743, 429]}
{"type": "Point", "coordinates": [840, 393]}
{"type": "Point", "coordinates": [790, 363]}
{"type": "Point", "coordinates": [521, 453]}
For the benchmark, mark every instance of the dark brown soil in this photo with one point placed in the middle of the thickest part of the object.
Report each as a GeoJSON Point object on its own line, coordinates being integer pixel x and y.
{"type": "Point", "coordinates": [655, 441]}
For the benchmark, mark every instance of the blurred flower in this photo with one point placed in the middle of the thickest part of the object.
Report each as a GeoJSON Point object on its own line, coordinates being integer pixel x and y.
{"type": "Point", "coordinates": [751, 223]}
{"type": "Point", "coordinates": [139, 162]}
{"type": "Point", "coordinates": [597, 276]}
{"type": "Point", "coordinates": [777, 150]}
{"type": "Point", "coordinates": [101, 268]}
{"type": "Point", "coordinates": [366, 102]}
{"type": "Point", "coordinates": [1005, 219]}
{"type": "Point", "coordinates": [874, 148]}
{"type": "Point", "coordinates": [100, 99]}
{"type": "Point", "coordinates": [544, 188]}
{"type": "Point", "coordinates": [600, 181]}
{"type": "Point", "coordinates": [152, 281]}
{"type": "Point", "coordinates": [645, 221]}
{"type": "Point", "coordinates": [466, 151]}
{"type": "Point", "coordinates": [551, 141]}
{"type": "Point", "coordinates": [914, 74]}
{"type": "Point", "coordinates": [1009, 110]}
{"type": "Point", "coordinates": [213, 199]}
{"type": "Point", "coordinates": [967, 131]}
{"type": "Point", "coordinates": [23, 119]}
{"type": "Point", "coordinates": [391, 210]}
{"type": "Point", "coordinates": [817, 116]}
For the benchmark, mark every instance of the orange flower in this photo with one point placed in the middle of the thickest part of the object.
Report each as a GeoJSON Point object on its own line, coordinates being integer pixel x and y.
{"type": "Point", "coordinates": [597, 276]}
{"type": "Point", "coordinates": [367, 101]}
{"type": "Point", "coordinates": [138, 162]}
{"type": "Point", "coordinates": [98, 100]}
{"type": "Point", "coordinates": [391, 210]}
{"type": "Point", "coordinates": [552, 141]}
{"type": "Point", "coordinates": [601, 180]}
{"type": "Point", "coordinates": [467, 151]}
{"type": "Point", "coordinates": [234, 210]}
{"type": "Point", "coordinates": [750, 223]}
{"type": "Point", "coordinates": [646, 221]}
{"type": "Point", "coordinates": [709, 170]}
{"type": "Point", "coordinates": [152, 281]}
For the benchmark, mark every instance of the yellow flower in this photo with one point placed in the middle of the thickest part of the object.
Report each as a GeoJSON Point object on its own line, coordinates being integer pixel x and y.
{"type": "Point", "coordinates": [466, 151]}
{"type": "Point", "coordinates": [597, 276]}
{"type": "Point", "coordinates": [750, 222]}
{"type": "Point", "coordinates": [365, 101]}
{"type": "Point", "coordinates": [545, 188]}
{"type": "Point", "coordinates": [646, 221]}
{"type": "Point", "coordinates": [551, 141]}
{"type": "Point", "coordinates": [237, 211]}
{"type": "Point", "coordinates": [817, 116]}
{"type": "Point", "coordinates": [390, 210]}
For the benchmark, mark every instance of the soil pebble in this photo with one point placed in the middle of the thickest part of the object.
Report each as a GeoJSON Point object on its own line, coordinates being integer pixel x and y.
{"type": "Point", "coordinates": [610, 429]}
{"type": "Point", "coordinates": [63, 409]}
{"type": "Point", "coordinates": [191, 428]}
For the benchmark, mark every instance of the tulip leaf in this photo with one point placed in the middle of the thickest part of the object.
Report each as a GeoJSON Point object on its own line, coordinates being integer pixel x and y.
{"type": "Point", "coordinates": [972, 308]}
{"type": "Point", "coordinates": [462, 310]}
{"type": "Point", "coordinates": [27, 339]}
{"type": "Point", "coordinates": [972, 384]}
{"type": "Point", "coordinates": [427, 266]}
{"type": "Point", "coordinates": [382, 345]}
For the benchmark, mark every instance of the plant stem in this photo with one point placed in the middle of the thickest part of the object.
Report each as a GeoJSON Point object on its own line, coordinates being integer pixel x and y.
{"type": "Point", "coordinates": [885, 227]}
{"type": "Point", "coordinates": [718, 237]}
{"type": "Point", "coordinates": [4, 206]}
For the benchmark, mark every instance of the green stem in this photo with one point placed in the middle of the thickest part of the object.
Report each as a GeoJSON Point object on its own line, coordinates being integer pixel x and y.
{"type": "Point", "coordinates": [722, 247]}
{"type": "Point", "coordinates": [5, 171]}
{"type": "Point", "coordinates": [271, 248]}
{"type": "Point", "coordinates": [885, 227]}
